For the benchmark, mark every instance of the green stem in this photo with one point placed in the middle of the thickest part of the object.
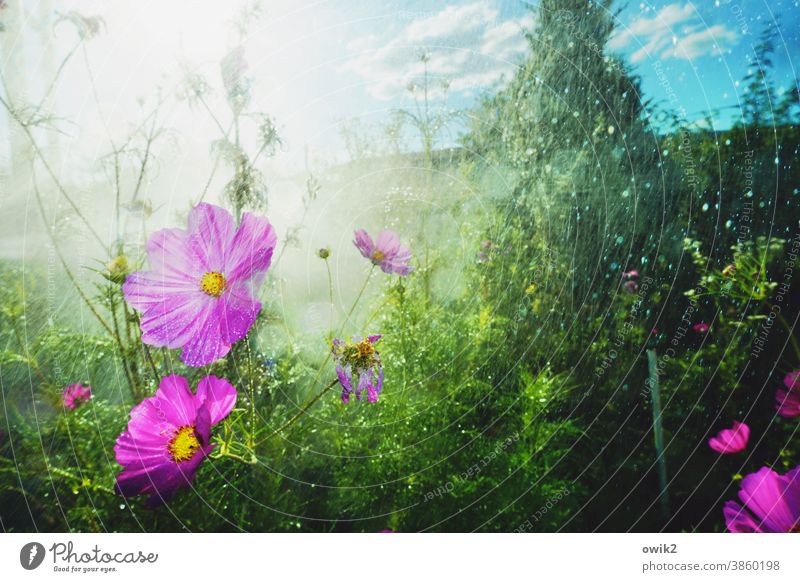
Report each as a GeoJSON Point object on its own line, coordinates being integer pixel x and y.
{"type": "Point", "coordinates": [252, 391]}
{"type": "Point", "coordinates": [330, 296]}
{"type": "Point", "coordinates": [792, 337]}
{"type": "Point", "coordinates": [358, 298]}
{"type": "Point", "coordinates": [149, 358]}
{"type": "Point", "coordinates": [64, 262]}
{"type": "Point", "coordinates": [59, 186]}
{"type": "Point", "coordinates": [118, 338]}
{"type": "Point", "coordinates": [301, 412]}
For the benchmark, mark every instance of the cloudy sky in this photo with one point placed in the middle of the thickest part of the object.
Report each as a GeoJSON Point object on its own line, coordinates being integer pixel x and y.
{"type": "Point", "coordinates": [315, 63]}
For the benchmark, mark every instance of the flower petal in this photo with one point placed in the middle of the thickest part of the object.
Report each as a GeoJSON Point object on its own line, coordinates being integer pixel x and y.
{"type": "Point", "coordinates": [175, 321]}
{"type": "Point", "coordinates": [144, 290]}
{"type": "Point", "coordinates": [364, 243]}
{"type": "Point", "coordinates": [217, 395]}
{"type": "Point", "coordinates": [207, 343]}
{"type": "Point", "coordinates": [211, 230]}
{"type": "Point", "coordinates": [137, 453]}
{"type": "Point", "coordinates": [388, 243]}
{"type": "Point", "coordinates": [170, 255]}
{"type": "Point", "coordinates": [175, 399]}
{"type": "Point", "coordinates": [250, 253]}
{"type": "Point", "coordinates": [237, 312]}
{"type": "Point", "coordinates": [763, 493]}
{"type": "Point", "coordinates": [738, 519]}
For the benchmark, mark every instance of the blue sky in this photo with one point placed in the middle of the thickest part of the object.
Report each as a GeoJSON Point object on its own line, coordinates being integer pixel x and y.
{"type": "Point", "coordinates": [702, 48]}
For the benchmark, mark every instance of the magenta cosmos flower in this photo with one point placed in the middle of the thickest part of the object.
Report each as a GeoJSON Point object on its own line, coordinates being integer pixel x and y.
{"type": "Point", "coordinates": [169, 435]}
{"type": "Point", "coordinates": [75, 394]}
{"type": "Point", "coordinates": [700, 327]}
{"type": "Point", "coordinates": [200, 292]}
{"type": "Point", "coordinates": [386, 252]}
{"type": "Point", "coordinates": [358, 364]}
{"type": "Point", "coordinates": [731, 440]}
{"type": "Point", "coordinates": [771, 503]}
{"type": "Point", "coordinates": [787, 402]}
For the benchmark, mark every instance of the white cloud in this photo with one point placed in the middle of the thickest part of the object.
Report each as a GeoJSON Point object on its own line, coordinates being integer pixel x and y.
{"type": "Point", "coordinates": [702, 42]}
{"type": "Point", "coordinates": [675, 32]}
{"type": "Point", "coordinates": [467, 45]}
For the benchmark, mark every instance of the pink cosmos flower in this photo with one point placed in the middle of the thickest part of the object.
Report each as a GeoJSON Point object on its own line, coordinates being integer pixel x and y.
{"type": "Point", "coordinates": [731, 440]}
{"type": "Point", "coordinates": [169, 435]}
{"type": "Point", "coordinates": [792, 380]}
{"type": "Point", "coordinates": [75, 394]}
{"type": "Point", "coordinates": [630, 274]}
{"type": "Point", "coordinates": [787, 403]}
{"type": "Point", "coordinates": [771, 503]}
{"type": "Point", "coordinates": [386, 251]}
{"type": "Point", "coordinates": [700, 327]}
{"type": "Point", "coordinates": [630, 286]}
{"type": "Point", "coordinates": [200, 294]}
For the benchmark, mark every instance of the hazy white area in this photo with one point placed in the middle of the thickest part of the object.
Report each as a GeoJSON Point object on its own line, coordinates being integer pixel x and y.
{"type": "Point", "coordinates": [316, 68]}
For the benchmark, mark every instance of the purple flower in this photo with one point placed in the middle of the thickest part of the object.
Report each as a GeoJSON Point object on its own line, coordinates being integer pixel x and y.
{"type": "Point", "coordinates": [358, 363]}
{"type": "Point", "coordinates": [169, 435]}
{"type": "Point", "coordinates": [731, 440]}
{"type": "Point", "coordinates": [700, 327]}
{"type": "Point", "coordinates": [386, 251]}
{"type": "Point", "coordinates": [792, 380]}
{"type": "Point", "coordinates": [75, 394]}
{"type": "Point", "coordinates": [200, 294]}
{"type": "Point", "coordinates": [771, 503]}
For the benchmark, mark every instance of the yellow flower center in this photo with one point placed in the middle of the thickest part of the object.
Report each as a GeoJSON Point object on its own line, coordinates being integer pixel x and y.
{"type": "Point", "coordinates": [184, 444]}
{"type": "Point", "coordinates": [377, 256]}
{"type": "Point", "coordinates": [361, 354]}
{"type": "Point", "coordinates": [213, 284]}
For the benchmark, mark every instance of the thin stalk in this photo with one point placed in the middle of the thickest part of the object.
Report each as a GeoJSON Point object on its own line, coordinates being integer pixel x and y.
{"type": "Point", "coordinates": [23, 345]}
{"type": "Point", "coordinates": [792, 337]}
{"type": "Point", "coordinates": [52, 174]}
{"type": "Point", "coordinates": [64, 262]}
{"type": "Point", "coordinates": [321, 368]}
{"type": "Point", "coordinates": [252, 393]}
{"type": "Point", "coordinates": [149, 358]}
{"type": "Point", "coordinates": [358, 298]}
{"type": "Point", "coordinates": [113, 308]}
{"type": "Point", "coordinates": [330, 296]}
{"type": "Point", "coordinates": [658, 431]}
{"type": "Point", "coordinates": [302, 411]}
